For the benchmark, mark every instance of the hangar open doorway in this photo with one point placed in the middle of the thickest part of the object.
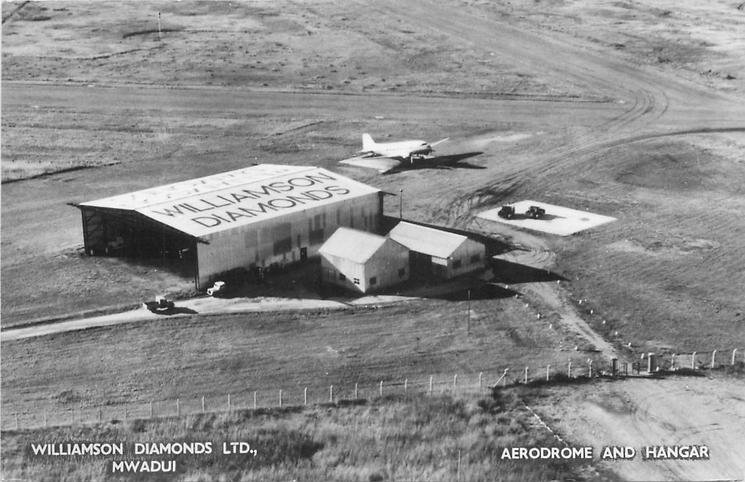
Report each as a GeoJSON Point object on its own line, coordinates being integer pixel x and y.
{"type": "Point", "coordinates": [127, 234]}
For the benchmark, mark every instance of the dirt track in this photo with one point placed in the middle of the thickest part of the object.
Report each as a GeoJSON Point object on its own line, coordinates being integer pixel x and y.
{"type": "Point", "coordinates": [648, 412]}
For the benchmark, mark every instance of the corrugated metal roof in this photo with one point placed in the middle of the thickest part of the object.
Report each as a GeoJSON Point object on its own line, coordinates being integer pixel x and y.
{"type": "Point", "coordinates": [429, 241]}
{"type": "Point", "coordinates": [351, 244]}
{"type": "Point", "coordinates": [236, 198]}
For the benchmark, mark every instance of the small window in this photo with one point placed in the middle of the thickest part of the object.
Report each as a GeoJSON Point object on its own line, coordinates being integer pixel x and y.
{"type": "Point", "coordinates": [456, 264]}
{"type": "Point", "coordinates": [373, 280]}
{"type": "Point", "coordinates": [342, 277]}
{"type": "Point", "coordinates": [356, 281]}
{"type": "Point", "coordinates": [475, 258]}
{"type": "Point", "coordinates": [402, 272]}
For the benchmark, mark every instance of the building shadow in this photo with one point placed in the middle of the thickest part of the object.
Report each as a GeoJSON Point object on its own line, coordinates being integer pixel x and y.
{"type": "Point", "coordinates": [508, 272]}
{"type": "Point", "coordinates": [484, 291]}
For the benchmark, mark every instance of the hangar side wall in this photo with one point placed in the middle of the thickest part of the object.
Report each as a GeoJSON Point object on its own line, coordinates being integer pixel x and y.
{"type": "Point", "coordinates": [284, 239]}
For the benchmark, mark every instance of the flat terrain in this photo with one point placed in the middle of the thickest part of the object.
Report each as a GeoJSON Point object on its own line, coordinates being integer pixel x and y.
{"type": "Point", "coordinates": [559, 115]}
{"type": "Point", "coordinates": [215, 355]}
{"type": "Point", "coordinates": [633, 110]}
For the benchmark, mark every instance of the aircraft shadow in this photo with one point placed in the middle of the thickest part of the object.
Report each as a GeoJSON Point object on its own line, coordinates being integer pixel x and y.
{"type": "Point", "coordinates": [449, 161]}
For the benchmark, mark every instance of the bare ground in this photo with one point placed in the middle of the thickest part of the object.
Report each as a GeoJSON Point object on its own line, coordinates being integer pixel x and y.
{"type": "Point", "coordinates": [648, 412]}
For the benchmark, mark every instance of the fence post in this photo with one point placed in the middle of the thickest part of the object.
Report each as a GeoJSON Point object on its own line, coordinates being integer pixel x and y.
{"type": "Point", "coordinates": [455, 383]}
{"type": "Point", "coordinates": [254, 400]}
{"type": "Point", "coordinates": [305, 396]}
{"type": "Point", "coordinates": [504, 377]}
{"type": "Point", "coordinates": [280, 398]}
{"type": "Point", "coordinates": [548, 372]}
{"type": "Point", "coordinates": [525, 377]}
{"type": "Point", "coordinates": [589, 363]}
{"type": "Point", "coordinates": [355, 392]}
{"type": "Point", "coordinates": [430, 385]}
{"type": "Point", "coordinates": [481, 382]}
{"type": "Point", "coordinates": [178, 408]}
{"type": "Point", "coordinates": [381, 388]}
{"type": "Point", "coordinates": [713, 358]}
{"type": "Point", "coordinates": [693, 361]}
{"type": "Point", "coordinates": [406, 384]}
{"type": "Point", "coordinates": [734, 354]}
{"type": "Point", "coordinates": [202, 404]}
{"type": "Point", "coordinates": [331, 394]}
{"type": "Point", "coordinates": [672, 362]}
{"type": "Point", "coordinates": [569, 369]}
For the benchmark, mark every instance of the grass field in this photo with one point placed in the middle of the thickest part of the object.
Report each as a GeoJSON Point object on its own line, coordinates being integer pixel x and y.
{"type": "Point", "coordinates": [237, 354]}
{"type": "Point", "coordinates": [415, 438]}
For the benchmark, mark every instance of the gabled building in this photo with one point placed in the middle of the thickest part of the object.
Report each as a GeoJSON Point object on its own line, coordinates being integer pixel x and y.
{"type": "Point", "coordinates": [361, 261]}
{"type": "Point", "coordinates": [438, 252]}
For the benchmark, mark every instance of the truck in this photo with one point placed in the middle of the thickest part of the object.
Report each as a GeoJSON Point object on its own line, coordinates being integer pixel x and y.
{"type": "Point", "coordinates": [507, 212]}
{"type": "Point", "coordinates": [535, 212]}
{"type": "Point", "coordinates": [160, 305]}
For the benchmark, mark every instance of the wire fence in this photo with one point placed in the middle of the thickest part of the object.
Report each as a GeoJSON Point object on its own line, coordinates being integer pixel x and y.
{"type": "Point", "coordinates": [471, 384]}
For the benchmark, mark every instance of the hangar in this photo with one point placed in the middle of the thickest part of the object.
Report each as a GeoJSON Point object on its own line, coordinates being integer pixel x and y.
{"type": "Point", "coordinates": [363, 261]}
{"type": "Point", "coordinates": [260, 216]}
{"type": "Point", "coordinates": [438, 252]}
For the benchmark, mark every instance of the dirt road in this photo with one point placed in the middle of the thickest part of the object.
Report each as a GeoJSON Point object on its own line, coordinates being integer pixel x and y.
{"type": "Point", "coordinates": [649, 412]}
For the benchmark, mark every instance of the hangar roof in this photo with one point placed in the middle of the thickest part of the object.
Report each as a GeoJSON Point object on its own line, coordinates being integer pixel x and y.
{"type": "Point", "coordinates": [430, 241]}
{"type": "Point", "coordinates": [352, 244]}
{"type": "Point", "coordinates": [231, 199]}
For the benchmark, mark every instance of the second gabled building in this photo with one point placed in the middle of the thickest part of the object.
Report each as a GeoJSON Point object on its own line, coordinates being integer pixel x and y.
{"type": "Point", "coordinates": [438, 252]}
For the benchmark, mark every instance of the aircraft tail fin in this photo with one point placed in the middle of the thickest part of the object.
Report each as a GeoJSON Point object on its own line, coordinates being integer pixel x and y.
{"type": "Point", "coordinates": [368, 144]}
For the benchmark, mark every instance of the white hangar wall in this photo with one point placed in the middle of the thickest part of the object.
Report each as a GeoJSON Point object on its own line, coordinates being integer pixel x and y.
{"type": "Point", "coordinates": [284, 239]}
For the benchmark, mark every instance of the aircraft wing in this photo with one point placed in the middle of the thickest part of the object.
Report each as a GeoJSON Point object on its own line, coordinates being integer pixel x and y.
{"type": "Point", "coordinates": [382, 164]}
{"type": "Point", "coordinates": [439, 142]}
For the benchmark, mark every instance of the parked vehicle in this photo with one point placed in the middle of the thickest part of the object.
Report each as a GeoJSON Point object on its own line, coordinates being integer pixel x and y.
{"type": "Point", "coordinates": [219, 288]}
{"type": "Point", "coordinates": [507, 212]}
{"type": "Point", "coordinates": [160, 305]}
{"type": "Point", "coordinates": [535, 212]}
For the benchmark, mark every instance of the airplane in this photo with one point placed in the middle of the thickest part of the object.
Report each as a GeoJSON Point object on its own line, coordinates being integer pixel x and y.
{"type": "Point", "coordinates": [387, 156]}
